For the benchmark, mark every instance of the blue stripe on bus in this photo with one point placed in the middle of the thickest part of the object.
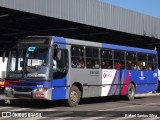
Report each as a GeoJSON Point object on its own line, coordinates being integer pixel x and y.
{"type": "Point", "coordinates": [59, 39]}
{"type": "Point", "coordinates": [59, 88]}
{"type": "Point", "coordinates": [117, 86]}
{"type": "Point", "coordinates": [45, 85]}
{"type": "Point", "coordinates": [115, 77]}
{"type": "Point", "coordinates": [125, 48]}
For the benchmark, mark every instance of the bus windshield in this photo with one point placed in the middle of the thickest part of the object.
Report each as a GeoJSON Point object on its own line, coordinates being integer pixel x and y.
{"type": "Point", "coordinates": [29, 61]}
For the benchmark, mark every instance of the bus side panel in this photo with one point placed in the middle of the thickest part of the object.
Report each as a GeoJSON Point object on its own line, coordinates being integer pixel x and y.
{"type": "Point", "coordinates": [112, 82]}
{"type": "Point", "coordinates": [145, 81]}
{"type": "Point", "coordinates": [89, 79]}
{"type": "Point", "coordinates": [152, 80]}
{"type": "Point", "coordinates": [125, 77]}
{"type": "Point", "coordinates": [59, 89]}
{"type": "Point", "coordinates": [140, 79]}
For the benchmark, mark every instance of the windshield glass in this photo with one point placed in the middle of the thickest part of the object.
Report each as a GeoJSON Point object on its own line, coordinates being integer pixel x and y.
{"type": "Point", "coordinates": [31, 61]}
{"type": "Point", "coordinates": [36, 59]}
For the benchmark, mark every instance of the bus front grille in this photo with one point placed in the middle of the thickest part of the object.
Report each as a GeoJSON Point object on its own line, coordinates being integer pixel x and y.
{"type": "Point", "coordinates": [22, 96]}
{"type": "Point", "coordinates": [23, 89]}
{"type": "Point", "coordinates": [23, 84]}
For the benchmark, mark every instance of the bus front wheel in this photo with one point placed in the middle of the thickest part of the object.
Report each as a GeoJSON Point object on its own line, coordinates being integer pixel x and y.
{"type": "Point", "coordinates": [74, 96]}
{"type": "Point", "coordinates": [131, 92]}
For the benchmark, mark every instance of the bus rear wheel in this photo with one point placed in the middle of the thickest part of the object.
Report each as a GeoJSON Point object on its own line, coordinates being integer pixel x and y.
{"type": "Point", "coordinates": [131, 92]}
{"type": "Point", "coordinates": [74, 96]}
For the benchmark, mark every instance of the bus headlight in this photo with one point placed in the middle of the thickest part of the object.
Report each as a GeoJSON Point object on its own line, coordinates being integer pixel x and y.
{"type": "Point", "coordinates": [42, 89]}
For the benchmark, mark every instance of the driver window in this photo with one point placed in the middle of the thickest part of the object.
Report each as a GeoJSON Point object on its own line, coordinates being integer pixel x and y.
{"type": "Point", "coordinates": [60, 63]}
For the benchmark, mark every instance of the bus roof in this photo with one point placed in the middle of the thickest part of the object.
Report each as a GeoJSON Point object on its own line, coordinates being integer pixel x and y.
{"type": "Point", "coordinates": [102, 45]}
{"type": "Point", "coordinates": [126, 48]}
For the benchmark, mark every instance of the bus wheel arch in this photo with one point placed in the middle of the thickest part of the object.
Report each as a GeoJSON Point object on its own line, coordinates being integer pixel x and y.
{"type": "Point", "coordinates": [131, 91]}
{"type": "Point", "coordinates": [79, 85]}
{"type": "Point", "coordinates": [75, 94]}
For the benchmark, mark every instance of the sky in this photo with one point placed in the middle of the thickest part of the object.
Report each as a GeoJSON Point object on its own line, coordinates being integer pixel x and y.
{"type": "Point", "coordinates": [148, 7]}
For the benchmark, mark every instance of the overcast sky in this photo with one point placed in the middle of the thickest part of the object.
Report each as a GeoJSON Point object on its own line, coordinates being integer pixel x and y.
{"type": "Point", "coordinates": [149, 7]}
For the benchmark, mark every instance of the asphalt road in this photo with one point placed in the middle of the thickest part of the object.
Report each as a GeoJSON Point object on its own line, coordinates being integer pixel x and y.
{"type": "Point", "coordinates": [115, 108]}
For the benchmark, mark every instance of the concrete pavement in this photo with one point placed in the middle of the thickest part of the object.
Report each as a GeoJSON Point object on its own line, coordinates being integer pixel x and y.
{"type": "Point", "coordinates": [147, 94]}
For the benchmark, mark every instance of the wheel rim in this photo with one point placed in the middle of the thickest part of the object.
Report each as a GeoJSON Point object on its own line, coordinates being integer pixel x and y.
{"type": "Point", "coordinates": [131, 91]}
{"type": "Point", "coordinates": [74, 96]}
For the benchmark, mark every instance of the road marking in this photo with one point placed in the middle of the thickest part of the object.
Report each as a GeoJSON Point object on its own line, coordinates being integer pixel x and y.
{"type": "Point", "coordinates": [144, 105]}
{"type": "Point", "coordinates": [33, 118]}
{"type": "Point", "coordinates": [122, 118]}
{"type": "Point", "coordinates": [152, 103]}
{"type": "Point", "coordinates": [152, 118]}
{"type": "Point", "coordinates": [63, 118]}
{"type": "Point", "coordinates": [29, 109]}
{"type": "Point", "coordinates": [111, 109]}
{"type": "Point", "coordinates": [50, 109]}
{"type": "Point", "coordinates": [61, 113]}
{"type": "Point", "coordinates": [5, 108]}
{"type": "Point", "coordinates": [93, 118]}
{"type": "Point", "coordinates": [19, 109]}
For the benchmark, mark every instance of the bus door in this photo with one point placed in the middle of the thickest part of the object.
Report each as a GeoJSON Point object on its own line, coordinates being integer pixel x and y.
{"type": "Point", "coordinates": [60, 69]}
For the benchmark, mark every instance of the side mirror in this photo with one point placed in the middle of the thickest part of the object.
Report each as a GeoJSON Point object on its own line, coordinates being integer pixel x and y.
{"type": "Point", "coordinates": [4, 55]}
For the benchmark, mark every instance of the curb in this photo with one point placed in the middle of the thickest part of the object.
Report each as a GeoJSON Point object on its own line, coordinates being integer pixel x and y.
{"type": "Point", "coordinates": [147, 94]}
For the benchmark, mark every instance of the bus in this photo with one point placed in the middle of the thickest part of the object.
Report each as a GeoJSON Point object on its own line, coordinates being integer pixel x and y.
{"type": "Point", "coordinates": [3, 66]}
{"type": "Point", "coordinates": [56, 68]}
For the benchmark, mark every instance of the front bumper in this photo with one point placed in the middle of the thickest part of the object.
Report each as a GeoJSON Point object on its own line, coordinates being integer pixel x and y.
{"type": "Point", "coordinates": [34, 94]}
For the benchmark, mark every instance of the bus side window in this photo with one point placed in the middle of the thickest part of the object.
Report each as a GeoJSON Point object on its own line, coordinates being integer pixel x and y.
{"type": "Point", "coordinates": [142, 61]}
{"type": "Point", "coordinates": [119, 62]}
{"type": "Point", "coordinates": [131, 61]}
{"type": "Point", "coordinates": [151, 62]}
{"type": "Point", "coordinates": [92, 58]}
{"type": "Point", "coordinates": [77, 56]}
{"type": "Point", "coordinates": [106, 59]}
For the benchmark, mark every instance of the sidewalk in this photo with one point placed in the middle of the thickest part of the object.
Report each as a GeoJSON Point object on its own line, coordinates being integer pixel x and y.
{"type": "Point", "coordinates": [147, 94]}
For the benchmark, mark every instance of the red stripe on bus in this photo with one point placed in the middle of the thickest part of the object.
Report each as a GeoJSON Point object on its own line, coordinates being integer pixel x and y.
{"type": "Point", "coordinates": [124, 88]}
{"type": "Point", "coordinates": [7, 82]}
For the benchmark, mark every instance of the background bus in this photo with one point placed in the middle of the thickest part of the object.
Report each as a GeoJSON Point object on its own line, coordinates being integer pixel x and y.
{"type": "Point", "coordinates": [54, 68]}
{"type": "Point", "coordinates": [3, 66]}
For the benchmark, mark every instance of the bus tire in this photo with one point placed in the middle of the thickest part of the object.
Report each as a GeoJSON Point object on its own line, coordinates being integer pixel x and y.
{"type": "Point", "coordinates": [74, 96]}
{"type": "Point", "coordinates": [131, 92]}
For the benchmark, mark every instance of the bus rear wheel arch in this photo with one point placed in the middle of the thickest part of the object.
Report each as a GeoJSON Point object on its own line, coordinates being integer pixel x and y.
{"type": "Point", "coordinates": [74, 96]}
{"type": "Point", "coordinates": [131, 92]}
